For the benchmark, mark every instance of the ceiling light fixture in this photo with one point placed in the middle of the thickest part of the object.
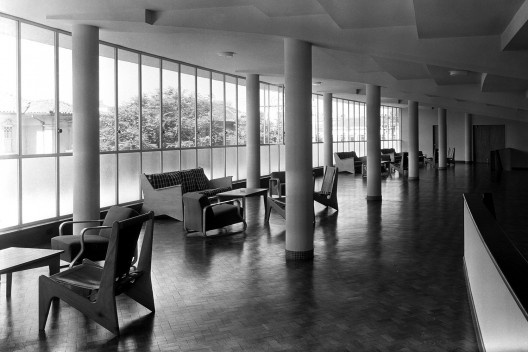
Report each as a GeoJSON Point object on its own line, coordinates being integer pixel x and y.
{"type": "Point", "coordinates": [456, 73]}
{"type": "Point", "coordinates": [226, 54]}
{"type": "Point", "coordinates": [317, 83]}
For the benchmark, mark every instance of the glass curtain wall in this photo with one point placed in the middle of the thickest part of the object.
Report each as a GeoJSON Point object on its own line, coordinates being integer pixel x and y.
{"type": "Point", "coordinates": [156, 115]}
{"type": "Point", "coordinates": [349, 131]}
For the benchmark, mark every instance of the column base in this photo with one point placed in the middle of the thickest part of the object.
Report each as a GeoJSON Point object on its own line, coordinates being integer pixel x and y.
{"type": "Point", "coordinates": [413, 178]}
{"type": "Point", "coordinates": [373, 197]}
{"type": "Point", "coordinates": [299, 255]}
{"type": "Point", "coordinates": [442, 168]}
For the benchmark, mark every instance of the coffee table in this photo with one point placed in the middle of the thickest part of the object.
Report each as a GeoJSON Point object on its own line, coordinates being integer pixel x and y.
{"type": "Point", "coordinates": [15, 259]}
{"type": "Point", "coordinates": [244, 193]}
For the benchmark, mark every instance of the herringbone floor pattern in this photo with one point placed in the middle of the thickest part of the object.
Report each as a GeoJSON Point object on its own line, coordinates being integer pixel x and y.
{"type": "Point", "coordinates": [387, 276]}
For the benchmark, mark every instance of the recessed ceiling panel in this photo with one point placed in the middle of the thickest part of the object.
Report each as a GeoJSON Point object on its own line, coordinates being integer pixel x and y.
{"type": "Point", "coordinates": [463, 18]}
{"type": "Point", "coordinates": [442, 76]}
{"type": "Point", "coordinates": [402, 70]}
{"type": "Point", "coordinates": [350, 14]}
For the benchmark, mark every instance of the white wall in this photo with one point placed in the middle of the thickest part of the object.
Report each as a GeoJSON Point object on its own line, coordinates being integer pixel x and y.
{"type": "Point", "coordinates": [516, 132]}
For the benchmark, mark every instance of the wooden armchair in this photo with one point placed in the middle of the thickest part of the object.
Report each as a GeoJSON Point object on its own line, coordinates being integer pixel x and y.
{"type": "Point", "coordinates": [328, 193]}
{"type": "Point", "coordinates": [91, 288]}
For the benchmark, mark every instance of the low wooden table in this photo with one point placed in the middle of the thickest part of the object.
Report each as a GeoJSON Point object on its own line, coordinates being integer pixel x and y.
{"type": "Point", "coordinates": [244, 193]}
{"type": "Point", "coordinates": [15, 259]}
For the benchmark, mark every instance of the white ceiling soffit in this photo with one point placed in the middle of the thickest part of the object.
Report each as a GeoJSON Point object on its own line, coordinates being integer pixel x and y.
{"type": "Point", "coordinates": [355, 14]}
{"type": "Point", "coordinates": [442, 76]}
{"type": "Point", "coordinates": [494, 83]}
{"type": "Point", "coordinates": [402, 70]}
{"type": "Point", "coordinates": [463, 18]}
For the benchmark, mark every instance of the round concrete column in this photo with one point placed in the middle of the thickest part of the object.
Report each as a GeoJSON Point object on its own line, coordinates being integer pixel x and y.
{"type": "Point", "coordinates": [299, 189]}
{"type": "Point", "coordinates": [252, 131]}
{"type": "Point", "coordinates": [328, 140]}
{"type": "Point", "coordinates": [468, 122]}
{"type": "Point", "coordinates": [85, 67]}
{"type": "Point", "coordinates": [373, 143]}
{"type": "Point", "coordinates": [413, 140]}
{"type": "Point", "coordinates": [442, 139]}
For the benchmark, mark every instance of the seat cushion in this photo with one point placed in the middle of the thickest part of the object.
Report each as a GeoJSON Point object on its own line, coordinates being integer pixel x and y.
{"type": "Point", "coordinates": [95, 246]}
{"type": "Point", "coordinates": [214, 191]}
{"type": "Point", "coordinates": [200, 180]}
{"type": "Point", "coordinates": [223, 215]}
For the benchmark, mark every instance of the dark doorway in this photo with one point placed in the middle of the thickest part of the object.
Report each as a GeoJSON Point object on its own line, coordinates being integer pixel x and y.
{"type": "Point", "coordinates": [485, 139]}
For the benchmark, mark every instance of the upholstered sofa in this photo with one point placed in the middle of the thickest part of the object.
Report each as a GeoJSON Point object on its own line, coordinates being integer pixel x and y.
{"type": "Point", "coordinates": [163, 192]}
{"type": "Point", "coordinates": [347, 161]}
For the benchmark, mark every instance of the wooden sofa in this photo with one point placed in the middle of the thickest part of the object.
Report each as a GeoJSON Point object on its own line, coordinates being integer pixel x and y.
{"type": "Point", "coordinates": [163, 192]}
{"type": "Point", "coordinates": [347, 161]}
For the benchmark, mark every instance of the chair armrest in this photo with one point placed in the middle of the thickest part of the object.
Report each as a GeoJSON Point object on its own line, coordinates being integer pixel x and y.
{"type": "Point", "coordinates": [221, 182]}
{"type": "Point", "coordinates": [69, 222]}
{"type": "Point", "coordinates": [83, 233]}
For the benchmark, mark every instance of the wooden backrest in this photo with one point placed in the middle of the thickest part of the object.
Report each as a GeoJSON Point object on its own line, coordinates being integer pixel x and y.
{"type": "Point", "coordinates": [329, 178]}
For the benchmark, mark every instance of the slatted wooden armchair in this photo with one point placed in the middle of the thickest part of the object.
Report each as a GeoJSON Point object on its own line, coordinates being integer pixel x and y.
{"type": "Point", "coordinates": [328, 193]}
{"type": "Point", "coordinates": [92, 288]}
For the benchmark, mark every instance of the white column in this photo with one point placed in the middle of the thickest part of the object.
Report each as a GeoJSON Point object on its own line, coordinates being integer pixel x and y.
{"type": "Point", "coordinates": [442, 139]}
{"type": "Point", "coordinates": [373, 142]}
{"type": "Point", "coordinates": [298, 109]}
{"type": "Point", "coordinates": [328, 140]}
{"type": "Point", "coordinates": [252, 131]}
{"type": "Point", "coordinates": [85, 69]}
{"type": "Point", "coordinates": [468, 121]}
{"type": "Point", "coordinates": [413, 140]}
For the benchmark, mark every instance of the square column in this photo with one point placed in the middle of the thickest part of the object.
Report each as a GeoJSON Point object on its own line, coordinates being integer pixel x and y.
{"type": "Point", "coordinates": [299, 190]}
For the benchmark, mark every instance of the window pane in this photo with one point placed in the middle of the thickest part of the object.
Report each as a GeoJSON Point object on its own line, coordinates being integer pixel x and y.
{"type": "Point", "coordinates": [264, 160]}
{"type": "Point", "coordinates": [171, 160]}
{"type": "Point", "coordinates": [281, 115]}
{"type": "Point", "coordinates": [263, 112]}
{"type": "Point", "coordinates": [231, 111]}
{"type": "Point", "coordinates": [274, 157]}
{"type": "Point", "coordinates": [107, 118]}
{"type": "Point", "coordinates": [242, 111]}
{"type": "Point", "coordinates": [231, 162]}
{"type": "Point", "coordinates": [65, 94]}
{"type": "Point", "coordinates": [188, 159]}
{"type": "Point", "coordinates": [9, 192]}
{"type": "Point", "coordinates": [38, 90]}
{"type": "Point", "coordinates": [108, 172]}
{"type": "Point", "coordinates": [204, 108]}
{"type": "Point", "coordinates": [242, 172]}
{"type": "Point", "coordinates": [39, 189]}
{"type": "Point", "coordinates": [66, 185]}
{"type": "Point", "coordinates": [150, 102]}
{"type": "Point", "coordinates": [204, 161]}
{"type": "Point", "coordinates": [8, 89]}
{"type": "Point", "coordinates": [320, 119]}
{"type": "Point", "coordinates": [218, 112]}
{"type": "Point", "coordinates": [315, 155]}
{"type": "Point", "coordinates": [171, 105]}
{"type": "Point", "coordinates": [282, 157]}
{"type": "Point", "coordinates": [218, 162]}
{"type": "Point", "coordinates": [151, 162]}
{"type": "Point", "coordinates": [274, 115]}
{"type": "Point", "coordinates": [314, 117]}
{"type": "Point", "coordinates": [188, 106]}
{"type": "Point", "coordinates": [128, 100]}
{"type": "Point", "coordinates": [128, 177]}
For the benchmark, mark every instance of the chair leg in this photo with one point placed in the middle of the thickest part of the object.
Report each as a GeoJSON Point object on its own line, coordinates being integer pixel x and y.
{"type": "Point", "coordinates": [45, 298]}
{"type": "Point", "coordinates": [141, 292]}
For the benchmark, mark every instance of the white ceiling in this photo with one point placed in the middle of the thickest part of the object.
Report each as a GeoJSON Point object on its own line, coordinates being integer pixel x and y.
{"type": "Point", "coordinates": [406, 46]}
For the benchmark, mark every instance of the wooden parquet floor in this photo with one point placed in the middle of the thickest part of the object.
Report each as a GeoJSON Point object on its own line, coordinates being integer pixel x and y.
{"type": "Point", "coordinates": [387, 276]}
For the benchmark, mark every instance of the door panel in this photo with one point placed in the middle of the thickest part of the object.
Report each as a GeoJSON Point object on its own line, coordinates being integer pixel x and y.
{"type": "Point", "coordinates": [485, 139]}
